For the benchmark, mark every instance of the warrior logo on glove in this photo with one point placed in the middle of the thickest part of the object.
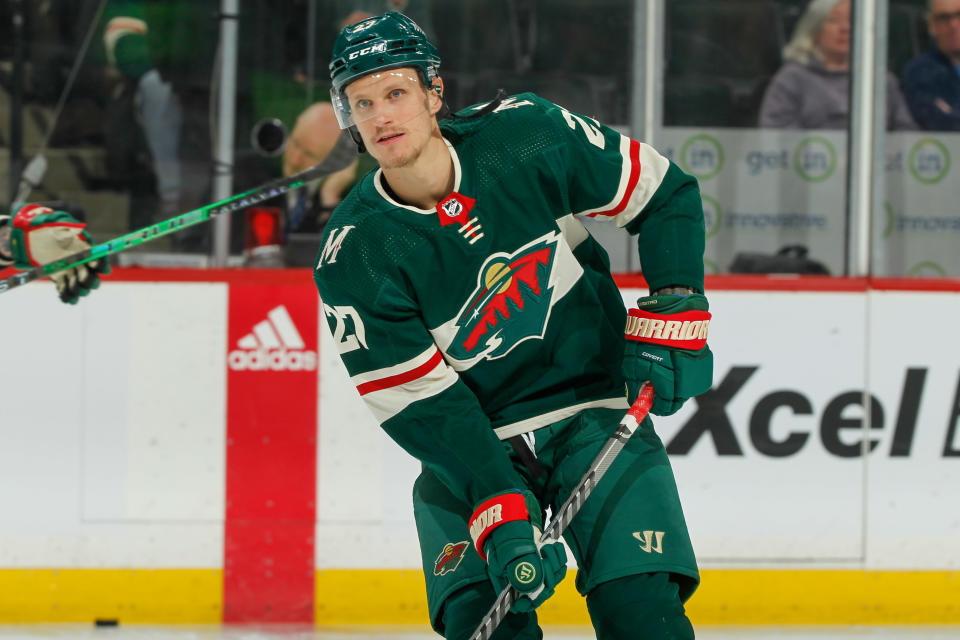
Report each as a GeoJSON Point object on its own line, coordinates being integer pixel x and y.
{"type": "Point", "coordinates": [506, 534]}
{"type": "Point", "coordinates": [666, 339]}
{"type": "Point", "coordinates": [526, 573]}
{"type": "Point", "coordinates": [687, 330]}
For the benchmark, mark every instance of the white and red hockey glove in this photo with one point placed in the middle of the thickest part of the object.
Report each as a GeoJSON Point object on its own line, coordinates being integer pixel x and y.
{"type": "Point", "coordinates": [667, 344]}
{"type": "Point", "coordinates": [39, 235]}
{"type": "Point", "coordinates": [506, 532]}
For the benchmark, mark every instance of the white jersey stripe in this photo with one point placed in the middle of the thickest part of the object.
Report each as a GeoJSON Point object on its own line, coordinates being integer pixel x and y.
{"type": "Point", "coordinates": [532, 424]}
{"type": "Point", "coordinates": [395, 370]}
{"type": "Point", "coordinates": [652, 169]}
{"type": "Point", "coordinates": [573, 230]}
{"type": "Point", "coordinates": [282, 322]}
{"type": "Point", "coordinates": [624, 179]}
{"type": "Point", "coordinates": [388, 402]}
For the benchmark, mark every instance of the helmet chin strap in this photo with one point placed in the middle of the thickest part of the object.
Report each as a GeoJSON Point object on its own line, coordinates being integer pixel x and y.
{"type": "Point", "coordinates": [355, 134]}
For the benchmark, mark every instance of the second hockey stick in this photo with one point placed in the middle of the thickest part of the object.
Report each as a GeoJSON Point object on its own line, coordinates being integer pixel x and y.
{"type": "Point", "coordinates": [339, 158]}
{"type": "Point", "coordinates": [637, 412]}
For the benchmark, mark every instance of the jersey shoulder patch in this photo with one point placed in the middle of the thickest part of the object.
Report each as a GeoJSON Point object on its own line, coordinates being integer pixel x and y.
{"type": "Point", "coordinates": [349, 216]}
{"type": "Point", "coordinates": [366, 237]}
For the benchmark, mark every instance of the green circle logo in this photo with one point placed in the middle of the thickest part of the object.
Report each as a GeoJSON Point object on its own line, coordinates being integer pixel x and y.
{"type": "Point", "coordinates": [891, 219]}
{"type": "Point", "coordinates": [712, 215]}
{"type": "Point", "coordinates": [928, 269]}
{"type": "Point", "coordinates": [525, 572]}
{"type": "Point", "coordinates": [702, 156]}
{"type": "Point", "coordinates": [929, 161]}
{"type": "Point", "coordinates": [815, 159]}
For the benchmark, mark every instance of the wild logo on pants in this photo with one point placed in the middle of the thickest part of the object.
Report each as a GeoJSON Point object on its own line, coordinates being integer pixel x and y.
{"type": "Point", "coordinates": [450, 558]}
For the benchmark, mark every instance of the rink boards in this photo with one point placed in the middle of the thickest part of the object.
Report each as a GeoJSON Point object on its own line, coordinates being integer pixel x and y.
{"type": "Point", "coordinates": [192, 451]}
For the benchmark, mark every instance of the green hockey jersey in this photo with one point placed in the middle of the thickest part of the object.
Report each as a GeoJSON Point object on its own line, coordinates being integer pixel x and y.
{"type": "Point", "coordinates": [495, 313]}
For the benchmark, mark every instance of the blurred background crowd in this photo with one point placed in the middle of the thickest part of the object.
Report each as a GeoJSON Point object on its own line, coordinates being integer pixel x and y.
{"type": "Point", "coordinates": [120, 95]}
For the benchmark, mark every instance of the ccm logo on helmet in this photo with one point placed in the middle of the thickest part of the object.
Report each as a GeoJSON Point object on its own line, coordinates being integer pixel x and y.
{"type": "Point", "coordinates": [377, 48]}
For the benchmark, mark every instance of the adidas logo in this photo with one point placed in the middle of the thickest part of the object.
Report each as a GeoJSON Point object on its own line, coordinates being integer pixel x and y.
{"type": "Point", "coordinates": [273, 345]}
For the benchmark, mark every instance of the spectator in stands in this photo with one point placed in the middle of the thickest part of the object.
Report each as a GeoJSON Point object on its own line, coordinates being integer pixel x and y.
{"type": "Point", "coordinates": [931, 82]}
{"type": "Point", "coordinates": [144, 107]}
{"type": "Point", "coordinates": [811, 89]}
{"type": "Point", "coordinates": [314, 135]}
{"type": "Point", "coordinates": [304, 211]}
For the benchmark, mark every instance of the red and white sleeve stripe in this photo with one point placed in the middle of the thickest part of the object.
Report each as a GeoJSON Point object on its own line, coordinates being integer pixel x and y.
{"type": "Point", "coordinates": [642, 171]}
{"type": "Point", "coordinates": [390, 390]}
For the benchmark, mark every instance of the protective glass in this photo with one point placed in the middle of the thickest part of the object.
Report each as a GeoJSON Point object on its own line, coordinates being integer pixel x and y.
{"type": "Point", "coordinates": [396, 93]}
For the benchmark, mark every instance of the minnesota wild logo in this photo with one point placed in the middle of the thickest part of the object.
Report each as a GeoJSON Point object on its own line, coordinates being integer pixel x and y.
{"type": "Point", "coordinates": [450, 558]}
{"type": "Point", "coordinates": [511, 303]}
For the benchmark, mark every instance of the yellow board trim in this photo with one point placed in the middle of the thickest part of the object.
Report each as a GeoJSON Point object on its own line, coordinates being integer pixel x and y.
{"type": "Point", "coordinates": [347, 597]}
{"type": "Point", "coordinates": [145, 596]}
{"type": "Point", "coordinates": [725, 597]}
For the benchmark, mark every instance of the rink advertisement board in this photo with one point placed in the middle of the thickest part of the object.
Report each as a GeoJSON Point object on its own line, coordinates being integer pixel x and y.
{"type": "Point", "coordinates": [764, 189]}
{"type": "Point", "coordinates": [830, 433]}
{"type": "Point", "coordinates": [271, 453]}
{"type": "Point", "coordinates": [207, 458]}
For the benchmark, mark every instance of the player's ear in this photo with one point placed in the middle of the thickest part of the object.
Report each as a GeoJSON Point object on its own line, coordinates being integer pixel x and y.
{"type": "Point", "coordinates": [436, 95]}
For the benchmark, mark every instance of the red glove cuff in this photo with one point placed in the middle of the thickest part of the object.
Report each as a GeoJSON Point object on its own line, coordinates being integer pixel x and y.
{"type": "Point", "coordinates": [685, 330]}
{"type": "Point", "coordinates": [26, 214]}
{"type": "Point", "coordinates": [494, 512]}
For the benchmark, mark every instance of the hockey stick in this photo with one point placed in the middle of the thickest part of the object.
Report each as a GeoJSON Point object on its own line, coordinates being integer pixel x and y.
{"type": "Point", "coordinates": [570, 508]}
{"type": "Point", "coordinates": [339, 157]}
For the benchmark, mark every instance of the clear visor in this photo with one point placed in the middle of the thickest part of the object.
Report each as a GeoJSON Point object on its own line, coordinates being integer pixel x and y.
{"type": "Point", "coordinates": [394, 94]}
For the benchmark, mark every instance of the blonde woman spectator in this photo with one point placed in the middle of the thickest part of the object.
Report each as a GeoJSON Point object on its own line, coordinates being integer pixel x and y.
{"type": "Point", "coordinates": [811, 89]}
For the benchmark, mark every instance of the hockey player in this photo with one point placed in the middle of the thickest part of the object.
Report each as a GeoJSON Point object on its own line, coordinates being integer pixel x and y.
{"type": "Point", "coordinates": [479, 321]}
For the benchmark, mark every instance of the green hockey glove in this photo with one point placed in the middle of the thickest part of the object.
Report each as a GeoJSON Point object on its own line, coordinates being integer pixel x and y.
{"type": "Point", "coordinates": [667, 345]}
{"type": "Point", "coordinates": [506, 530]}
{"type": "Point", "coordinates": [39, 235]}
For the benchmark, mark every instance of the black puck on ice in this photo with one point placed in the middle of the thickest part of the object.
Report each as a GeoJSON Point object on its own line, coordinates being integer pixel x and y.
{"type": "Point", "coordinates": [106, 622]}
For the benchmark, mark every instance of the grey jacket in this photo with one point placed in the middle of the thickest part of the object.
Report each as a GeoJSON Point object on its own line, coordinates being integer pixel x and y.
{"type": "Point", "coordinates": [811, 97]}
